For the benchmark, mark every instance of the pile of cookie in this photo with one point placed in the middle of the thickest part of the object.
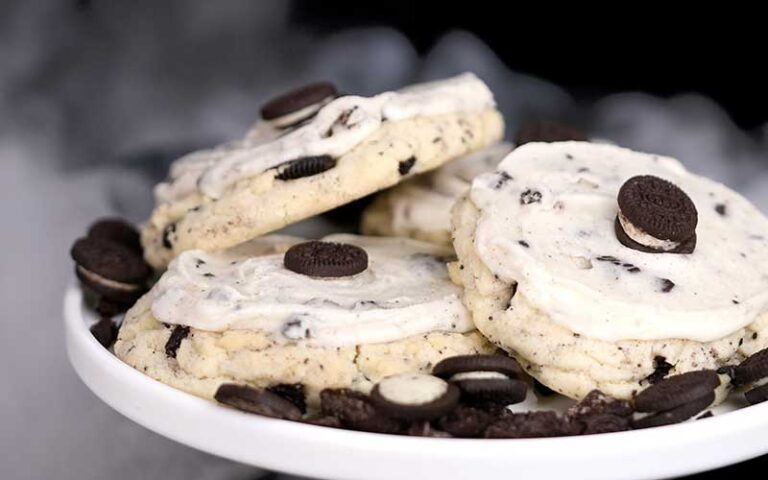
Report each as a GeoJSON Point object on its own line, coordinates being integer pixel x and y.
{"type": "Point", "coordinates": [486, 273]}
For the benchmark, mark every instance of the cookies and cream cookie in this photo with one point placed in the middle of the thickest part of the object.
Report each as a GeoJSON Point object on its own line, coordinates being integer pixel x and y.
{"type": "Point", "coordinates": [334, 152]}
{"type": "Point", "coordinates": [603, 268]}
{"type": "Point", "coordinates": [343, 312]}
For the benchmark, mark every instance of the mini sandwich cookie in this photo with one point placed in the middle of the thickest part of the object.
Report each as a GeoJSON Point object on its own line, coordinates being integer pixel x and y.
{"type": "Point", "coordinates": [343, 312]}
{"type": "Point", "coordinates": [312, 153]}
{"type": "Point", "coordinates": [602, 268]}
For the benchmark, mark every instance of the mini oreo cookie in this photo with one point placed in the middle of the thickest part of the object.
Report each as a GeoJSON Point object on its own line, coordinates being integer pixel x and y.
{"type": "Point", "coordinates": [754, 368]}
{"type": "Point", "coordinates": [110, 269]}
{"type": "Point", "coordinates": [677, 391]}
{"type": "Point", "coordinates": [299, 104]}
{"type": "Point", "coordinates": [548, 132]}
{"type": "Point", "coordinates": [413, 397]}
{"type": "Point", "coordinates": [118, 231]}
{"type": "Point", "coordinates": [256, 401]}
{"type": "Point", "coordinates": [677, 414]}
{"type": "Point", "coordinates": [757, 395]}
{"type": "Point", "coordinates": [479, 388]}
{"type": "Point", "coordinates": [655, 216]}
{"type": "Point", "coordinates": [305, 167]}
{"type": "Point", "coordinates": [325, 259]}
{"type": "Point", "coordinates": [503, 364]}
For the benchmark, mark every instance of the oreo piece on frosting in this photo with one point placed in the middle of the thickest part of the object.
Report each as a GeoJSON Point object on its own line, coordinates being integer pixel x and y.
{"type": "Point", "coordinates": [754, 368]}
{"type": "Point", "coordinates": [677, 414]}
{"type": "Point", "coordinates": [297, 105]}
{"type": "Point", "coordinates": [325, 259]}
{"type": "Point", "coordinates": [305, 167]}
{"type": "Point", "coordinates": [110, 269]}
{"type": "Point", "coordinates": [677, 391]}
{"type": "Point", "coordinates": [118, 231]}
{"type": "Point", "coordinates": [543, 131]}
{"type": "Point", "coordinates": [655, 216]}
{"type": "Point", "coordinates": [260, 402]}
{"type": "Point", "coordinates": [414, 397]}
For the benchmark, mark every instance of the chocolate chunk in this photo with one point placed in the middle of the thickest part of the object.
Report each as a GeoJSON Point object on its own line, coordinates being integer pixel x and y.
{"type": "Point", "coordinates": [530, 425]}
{"type": "Point", "coordinates": [676, 391]}
{"type": "Point", "coordinates": [757, 395]}
{"type": "Point", "coordinates": [502, 178]}
{"type": "Point", "coordinates": [105, 332]}
{"type": "Point", "coordinates": [503, 364]}
{"type": "Point", "coordinates": [659, 209]}
{"type": "Point", "coordinates": [530, 196]}
{"type": "Point", "coordinates": [325, 259]}
{"type": "Point", "coordinates": [661, 369]}
{"type": "Point", "coordinates": [677, 414]}
{"type": "Point", "coordinates": [169, 233]}
{"type": "Point", "coordinates": [754, 368]}
{"type": "Point", "coordinates": [465, 421]}
{"type": "Point", "coordinates": [118, 231]}
{"type": "Point", "coordinates": [298, 99]}
{"type": "Point", "coordinates": [666, 285]}
{"type": "Point", "coordinates": [355, 410]}
{"type": "Point", "coordinates": [304, 167]}
{"type": "Point", "coordinates": [293, 392]}
{"type": "Point", "coordinates": [542, 131]}
{"type": "Point", "coordinates": [598, 403]}
{"type": "Point", "coordinates": [720, 209]}
{"type": "Point", "coordinates": [406, 165]}
{"type": "Point", "coordinates": [179, 333]}
{"type": "Point", "coordinates": [483, 391]}
{"type": "Point", "coordinates": [414, 397]}
{"type": "Point", "coordinates": [260, 402]}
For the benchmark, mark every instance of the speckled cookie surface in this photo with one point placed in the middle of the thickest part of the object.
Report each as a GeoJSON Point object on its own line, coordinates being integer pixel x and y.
{"type": "Point", "coordinates": [204, 360]}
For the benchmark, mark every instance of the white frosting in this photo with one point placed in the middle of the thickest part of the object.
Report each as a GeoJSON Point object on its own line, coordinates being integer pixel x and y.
{"type": "Point", "coordinates": [425, 202]}
{"type": "Point", "coordinates": [412, 388]}
{"type": "Point", "coordinates": [559, 247]}
{"type": "Point", "coordinates": [405, 291]}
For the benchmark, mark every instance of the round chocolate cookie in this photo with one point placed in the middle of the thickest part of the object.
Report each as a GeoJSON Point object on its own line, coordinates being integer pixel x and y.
{"type": "Point", "coordinates": [118, 231]}
{"type": "Point", "coordinates": [656, 216]}
{"type": "Point", "coordinates": [298, 100]}
{"type": "Point", "coordinates": [257, 401]}
{"type": "Point", "coordinates": [414, 397]}
{"type": "Point", "coordinates": [325, 259]}
{"type": "Point", "coordinates": [676, 391]}
{"type": "Point", "coordinates": [111, 269]}
{"type": "Point", "coordinates": [478, 363]}
{"type": "Point", "coordinates": [754, 368]}
{"type": "Point", "coordinates": [548, 132]}
{"type": "Point", "coordinates": [482, 387]}
{"type": "Point", "coordinates": [677, 414]}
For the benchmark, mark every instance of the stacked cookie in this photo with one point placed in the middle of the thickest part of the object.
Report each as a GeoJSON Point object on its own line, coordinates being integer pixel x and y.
{"type": "Point", "coordinates": [600, 270]}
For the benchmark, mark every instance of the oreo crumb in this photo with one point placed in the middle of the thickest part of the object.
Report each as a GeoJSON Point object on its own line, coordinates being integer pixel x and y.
{"type": "Point", "coordinates": [661, 370]}
{"type": "Point", "coordinates": [169, 230]}
{"type": "Point", "coordinates": [406, 165]}
{"type": "Point", "coordinates": [503, 178]}
{"type": "Point", "coordinates": [524, 243]}
{"type": "Point", "coordinates": [666, 285]}
{"type": "Point", "coordinates": [178, 334]}
{"type": "Point", "coordinates": [530, 196]}
{"type": "Point", "coordinates": [720, 209]}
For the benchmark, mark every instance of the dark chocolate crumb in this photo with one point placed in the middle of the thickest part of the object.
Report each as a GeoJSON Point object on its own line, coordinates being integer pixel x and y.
{"type": "Point", "coordinates": [178, 334]}
{"type": "Point", "coordinates": [503, 178]}
{"type": "Point", "coordinates": [524, 243]}
{"type": "Point", "coordinates": [720, 209]}
{"type": "Point", "coordinates": [530, 196]}
{"type": "Point", "coordinates": [667, 285]}
{"type": "Point", "coordinates": [406, 165]}
{"type": "Point", "coordinates": [661, 370]}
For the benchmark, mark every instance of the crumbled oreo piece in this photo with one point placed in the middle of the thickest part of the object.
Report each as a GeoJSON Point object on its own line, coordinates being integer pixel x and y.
{"type": "Point", "coordinates": [325, 259]}
{"type": "Point", "coordinates": [169, 235]}
{"type": "Point", "coordinates": [450, 366]}
{"type": "Point", "coordinates": [355, 410]}
{"type": "Point", "coordinates": [105, 332]}
{"type": "Point", "coordinates": [293, 392]}
{"type": "Point", "coordinates": [598, 403]}
{"type": "Point", "coordinates": [754, 368]}
{"type": "Point", "coordinates": [655, 216]}
{"type": "Point", "coordinates": [530, 425]}
{"type": "Point", "coordinates": [604, 423]}
{"type": "Point", "coordinates": [414, 397]}
{"type": "Point", "coordinates": [757, 395]}
{"type": "Point", "coordinates": [118, 231]}
{"type": "Point", "coordinates": [314, 94]}
{"type": "Point", "coordinates": [406, 165]}
{"type": "Point", "coordinates": [720, 208]}
{"type": "Point", "coordinates": [260, 402]}
{"type": "Point", "coordinates": [677, 414]}
{"type": "Point", "coordinates": [661, 369]}
{"type": "Point", "coordinates": [542, 131]}
{"type": "Point", "coordinates": [179, 333]}
{"type": "Point", "coordinates": [465, 421]}
{"type": "Point", "coordinates": [304, 167]}
{"type": "Point", "coordinates": [529, 196]}
{"type": "Point", "coordinates": [676, 391]}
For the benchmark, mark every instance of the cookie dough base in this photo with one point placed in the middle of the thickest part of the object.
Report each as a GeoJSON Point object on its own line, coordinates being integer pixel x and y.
{"type": "Point", "coordinates": [561, 359]}
{"type": "Point", "coordinates": [205, 360]}
{"type": "Point", "coordinates": [263, 204]}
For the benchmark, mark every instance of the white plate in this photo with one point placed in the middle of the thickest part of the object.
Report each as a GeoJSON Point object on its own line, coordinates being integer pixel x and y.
{"type": "Point", "coordinates": [729, 437]}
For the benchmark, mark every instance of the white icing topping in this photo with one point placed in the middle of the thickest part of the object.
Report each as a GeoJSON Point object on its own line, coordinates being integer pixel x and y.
{"type": "Point", "coordinates": [425, 202]}
{"type": "Point", "coordinates": [405, 291]}
{"type": "Point", "coordinates": [412, 388]}
{"type": "Point", "coordinates": [550, 227]}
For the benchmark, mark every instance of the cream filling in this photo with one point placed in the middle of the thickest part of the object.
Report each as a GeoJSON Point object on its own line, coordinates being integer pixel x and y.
{"type": "Point", "coordinates": [478, 376]}
{"type": "Point", "coordinates": [412, 389]}
{"type": "Point", "coordinates": [643, 238]}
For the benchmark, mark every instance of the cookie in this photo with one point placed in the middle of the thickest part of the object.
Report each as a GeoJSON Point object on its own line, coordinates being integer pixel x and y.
{"type": "Point", "coordinates": [352, 147]}
{"type": "Point", "coordinates": [545, 131]}
{"type": "Point", "coordinates": [217, 318]}
{"type": "Point", "coordinates": [547, 280]}
{"type": "Point", "coordinates": [420, 208]}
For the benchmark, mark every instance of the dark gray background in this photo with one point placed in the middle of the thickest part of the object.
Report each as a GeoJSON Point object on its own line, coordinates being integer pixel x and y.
{"type": "Point", "coordinates": [97, 97]}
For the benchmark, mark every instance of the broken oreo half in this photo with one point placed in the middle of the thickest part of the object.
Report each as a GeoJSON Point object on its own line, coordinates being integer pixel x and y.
{"type": "Point", "coordinates": [655, 216]}
{"type": "Point", "coordinates": [325, 259]}
{"type": "Point", "coordinates": [414, 397]}
{"type": "Point", "coordinates": [261, 402]}
{"type": "Point", "coordinates": [297, 105]}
